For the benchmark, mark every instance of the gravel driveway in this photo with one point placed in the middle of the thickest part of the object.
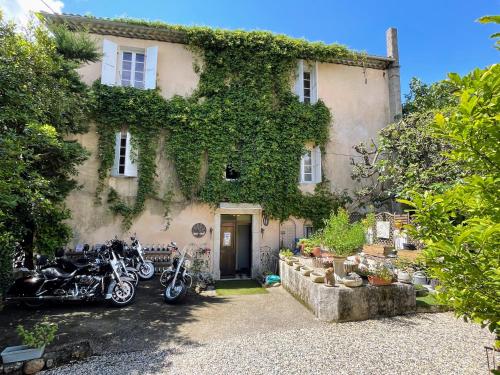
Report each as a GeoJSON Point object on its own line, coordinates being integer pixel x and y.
{"type": "Point", "coordinates": [416, 344]}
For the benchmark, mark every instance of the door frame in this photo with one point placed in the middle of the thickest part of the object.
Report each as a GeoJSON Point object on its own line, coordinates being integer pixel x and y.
{"type": "Point", "coordinates": [238, 209]}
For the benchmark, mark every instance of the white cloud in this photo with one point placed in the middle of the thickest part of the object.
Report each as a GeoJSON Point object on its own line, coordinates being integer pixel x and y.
{"type": "Point", "coordinates": [20, 10]}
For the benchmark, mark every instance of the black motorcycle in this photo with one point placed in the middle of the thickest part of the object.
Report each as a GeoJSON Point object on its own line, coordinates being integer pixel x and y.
{"type": "Point", "coordinates": [135, 258]}
{"type": "Point", "coordinates": [176, 280]}
{"type": "Point", "coordinates": [97, 280]}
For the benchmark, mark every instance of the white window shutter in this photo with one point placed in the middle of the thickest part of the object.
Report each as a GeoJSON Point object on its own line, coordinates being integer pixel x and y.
{"type": "Point", "coordinates": [130, 165]}
{"type": "Point", "coordinates": [114, 169]}
{"type": "Point", "coordinates": [110, 54]}
{"type": "Point", "coordinates": [316, 156]}
{"type": "Point", "coordinates": [314, 82]}
{"type": "Point", "coordinates": [301, 177]}
{"type": "Point", "coordinates": [151, 63]}
{"type": "Point", "coordinates": [299, 81]}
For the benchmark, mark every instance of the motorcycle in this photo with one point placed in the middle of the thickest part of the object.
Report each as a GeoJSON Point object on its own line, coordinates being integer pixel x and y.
{"type": "Point", "coordinates": [177, 280]}
{"type": "Point", "coordinates": [98, 280]}
{"type": "Point", "coordinates": [135, 257]}
{"type": "Point", "coordinates": [120, 250]}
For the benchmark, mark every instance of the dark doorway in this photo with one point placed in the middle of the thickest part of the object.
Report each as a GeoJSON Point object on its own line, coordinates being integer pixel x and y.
{"type": "Point", "coordinates": [236, 246]}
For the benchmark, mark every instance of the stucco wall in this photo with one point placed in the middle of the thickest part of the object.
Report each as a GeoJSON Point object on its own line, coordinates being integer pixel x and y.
{"type": "Point", "coordinates": [357, 98]}
{"type": "Point", "coordinates": [359, 102]}
{"type": "Point", "coordinates": [175, 74]}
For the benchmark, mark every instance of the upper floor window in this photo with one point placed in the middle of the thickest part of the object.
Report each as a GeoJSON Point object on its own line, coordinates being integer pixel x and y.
{"type": "Point", "coordinates": [310, 166]}
{"type": "Point", "coordinates": [124, 164]}
{"type": "Point", "coordinates": [122, 153]}
{"type": "Point", "coordinates": [231, 174]}
{"type": "Point", "coordinates": [307, 167]}
{"type": "Point", "coordinates": [133, 69]}
{"type": "Point", "coordinates": [128, 66]}
{"type": "Point", "coordinates": [306, 85]}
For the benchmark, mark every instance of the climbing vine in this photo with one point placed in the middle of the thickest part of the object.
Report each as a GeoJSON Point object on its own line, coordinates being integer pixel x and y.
{"type": "Point", "coordinates": [243, 113]}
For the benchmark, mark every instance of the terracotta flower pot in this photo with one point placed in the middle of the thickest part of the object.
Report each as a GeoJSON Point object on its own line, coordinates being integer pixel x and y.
{"type": "Point", "coordinates": [377, 281]}
{"type": "Point", "coordinates": [316, 251]}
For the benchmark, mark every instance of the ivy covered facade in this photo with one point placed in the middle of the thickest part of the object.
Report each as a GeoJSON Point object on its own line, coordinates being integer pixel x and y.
{"type": "Point", "coordinates": [246, 133]}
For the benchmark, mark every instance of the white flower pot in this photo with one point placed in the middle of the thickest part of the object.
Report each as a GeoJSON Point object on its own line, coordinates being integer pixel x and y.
{"type": "Point", "coordinates": [338, 266]}
{"type": "Point", "coordinates": [404, 277]}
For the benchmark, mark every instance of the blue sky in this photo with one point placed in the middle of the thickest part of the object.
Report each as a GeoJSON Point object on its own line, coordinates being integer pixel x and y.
{"type": "Point", "coordinates": [435, 37]}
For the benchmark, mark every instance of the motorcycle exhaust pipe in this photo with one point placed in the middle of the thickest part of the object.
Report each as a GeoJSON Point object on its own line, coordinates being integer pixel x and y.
{"type": "Point", "coordinates": [41, 298]}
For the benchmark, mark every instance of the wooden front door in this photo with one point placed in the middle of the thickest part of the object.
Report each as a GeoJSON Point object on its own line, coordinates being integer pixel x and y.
{"type": "Point", "coordinates": [227, 249]}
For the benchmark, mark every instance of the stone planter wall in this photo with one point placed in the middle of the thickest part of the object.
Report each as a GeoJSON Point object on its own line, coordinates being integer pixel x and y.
{"type": "Point", "coordinates": [51, 358]}
{"type": "Point", "coordinates": [343, 304]}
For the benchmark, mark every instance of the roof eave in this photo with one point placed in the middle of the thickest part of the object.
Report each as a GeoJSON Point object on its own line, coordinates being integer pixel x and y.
{"type": "Point", "coordinates": [123, 29]}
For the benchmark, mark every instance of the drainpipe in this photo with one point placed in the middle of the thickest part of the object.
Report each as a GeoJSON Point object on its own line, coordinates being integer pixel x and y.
{"type": "Point", "coordinates": [395, 111]}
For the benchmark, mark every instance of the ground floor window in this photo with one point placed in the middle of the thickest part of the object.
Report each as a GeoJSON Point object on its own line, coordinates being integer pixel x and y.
{"type": "Point", "coordinates": [308, 230]}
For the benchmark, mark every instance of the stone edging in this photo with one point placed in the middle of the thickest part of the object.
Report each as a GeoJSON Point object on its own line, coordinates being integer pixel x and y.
{"type": "Point", "coordinates": [53, 358]}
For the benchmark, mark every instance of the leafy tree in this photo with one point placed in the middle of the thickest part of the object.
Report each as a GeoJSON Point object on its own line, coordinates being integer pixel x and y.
{"type": "Point", "coordinates": [41, 100]}
{"type": "Point", "coordinates": [406, 155]}
{"type": "Point", "coordinates": [461, 226]}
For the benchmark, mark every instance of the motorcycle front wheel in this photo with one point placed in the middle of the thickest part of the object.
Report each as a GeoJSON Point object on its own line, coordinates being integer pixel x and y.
{"type": "Point", "coordinates": [175, 293]}
{"type": "Point", "coordinates": [122, 295]}
{"type": "Point", "coordinates": [146, 270]}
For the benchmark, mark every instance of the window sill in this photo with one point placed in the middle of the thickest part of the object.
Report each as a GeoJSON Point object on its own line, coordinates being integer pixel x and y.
{"type": "Point", "coordinates": [123, 176]}
{"type": "Point", "coordinates": [307, 183]}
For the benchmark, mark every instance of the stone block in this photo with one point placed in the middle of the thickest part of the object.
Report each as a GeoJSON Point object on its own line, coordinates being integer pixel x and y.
{"type": "Point", "coordinates": [33, 366]}
{"type": "Point", "coordinates": [343, 304]}
{"type": "Point", "coordinates": [12, 368]}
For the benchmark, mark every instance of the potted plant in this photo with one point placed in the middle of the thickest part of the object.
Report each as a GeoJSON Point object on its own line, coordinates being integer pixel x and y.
{"type": "Point", "coordinates": [404, 270]}
{"type": "Point", "coordinates": [353, 280]}
{"type": "Point", "coordinates": [380, 275]}
{"type": "Point", "coordinates": [342, 239]}
{"type": "Point", "coordinates": [305, 245]}
{"type": "Point", "coordinates": [285, 254]}
{"type": "Point", "coordinates": [34, 342]}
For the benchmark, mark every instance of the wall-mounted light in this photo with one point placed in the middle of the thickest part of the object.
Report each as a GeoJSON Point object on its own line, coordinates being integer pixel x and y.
{"type": "Point", "coordinates": [262, 230]}
{"type": "Point", "coordinates": [265, 220]}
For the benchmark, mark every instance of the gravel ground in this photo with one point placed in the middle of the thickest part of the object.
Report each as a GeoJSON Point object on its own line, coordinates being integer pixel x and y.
{"type": "Point", "coordinates": [417, 344]}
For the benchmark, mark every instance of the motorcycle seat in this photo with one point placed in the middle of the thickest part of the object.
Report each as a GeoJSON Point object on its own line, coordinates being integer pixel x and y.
{"type": "Point", "coordinates": [69, 265]}
{"type": "Point", "coordinates": [55, 273]}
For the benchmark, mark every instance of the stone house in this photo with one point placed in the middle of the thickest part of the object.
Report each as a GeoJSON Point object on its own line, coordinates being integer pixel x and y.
{"type": "Point", "coordinates": [363, 96]}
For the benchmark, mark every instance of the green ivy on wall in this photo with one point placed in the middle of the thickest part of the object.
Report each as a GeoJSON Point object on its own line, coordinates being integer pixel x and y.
{"type": "Point", "coordinates": [242, 113]}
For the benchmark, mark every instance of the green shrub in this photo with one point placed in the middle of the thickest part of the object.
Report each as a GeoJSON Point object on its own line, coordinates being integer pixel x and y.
{"type": "Point", "coordinates": [41, 335]}
{"type": "Point", "coordinates": [287, 253]}
{"type": "Point", "coordinates": [340, 236]}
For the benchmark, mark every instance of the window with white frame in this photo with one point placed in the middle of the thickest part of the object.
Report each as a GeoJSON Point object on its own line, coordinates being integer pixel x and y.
{"type": "Point", "coordinates": [307, 167]}
{"type": "Point", "coordinates": [310, 166]}
{"type": "Point", "coordinates": [306, 83]}
{"type": "Point", "coordinates": [133, 69]}
{"type": "Point", "coordinates": [122, 153]}
{"type": "Point", "coordinates": [307, 87]}
{"type": "Point", "coordinates": [124, 164]}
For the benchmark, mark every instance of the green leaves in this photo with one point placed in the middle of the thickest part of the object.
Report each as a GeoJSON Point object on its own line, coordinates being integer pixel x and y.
{"type": "Point", "coordinates": [340, 236]}
{"type": "Point", "coordinates": [243, 113]}
{"type": "Point", "coordinates": [41, 100]}
{"type": "Point", "coordinates": [42, 334]}
{"type": "Point", "coordinates": [461, 226]}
